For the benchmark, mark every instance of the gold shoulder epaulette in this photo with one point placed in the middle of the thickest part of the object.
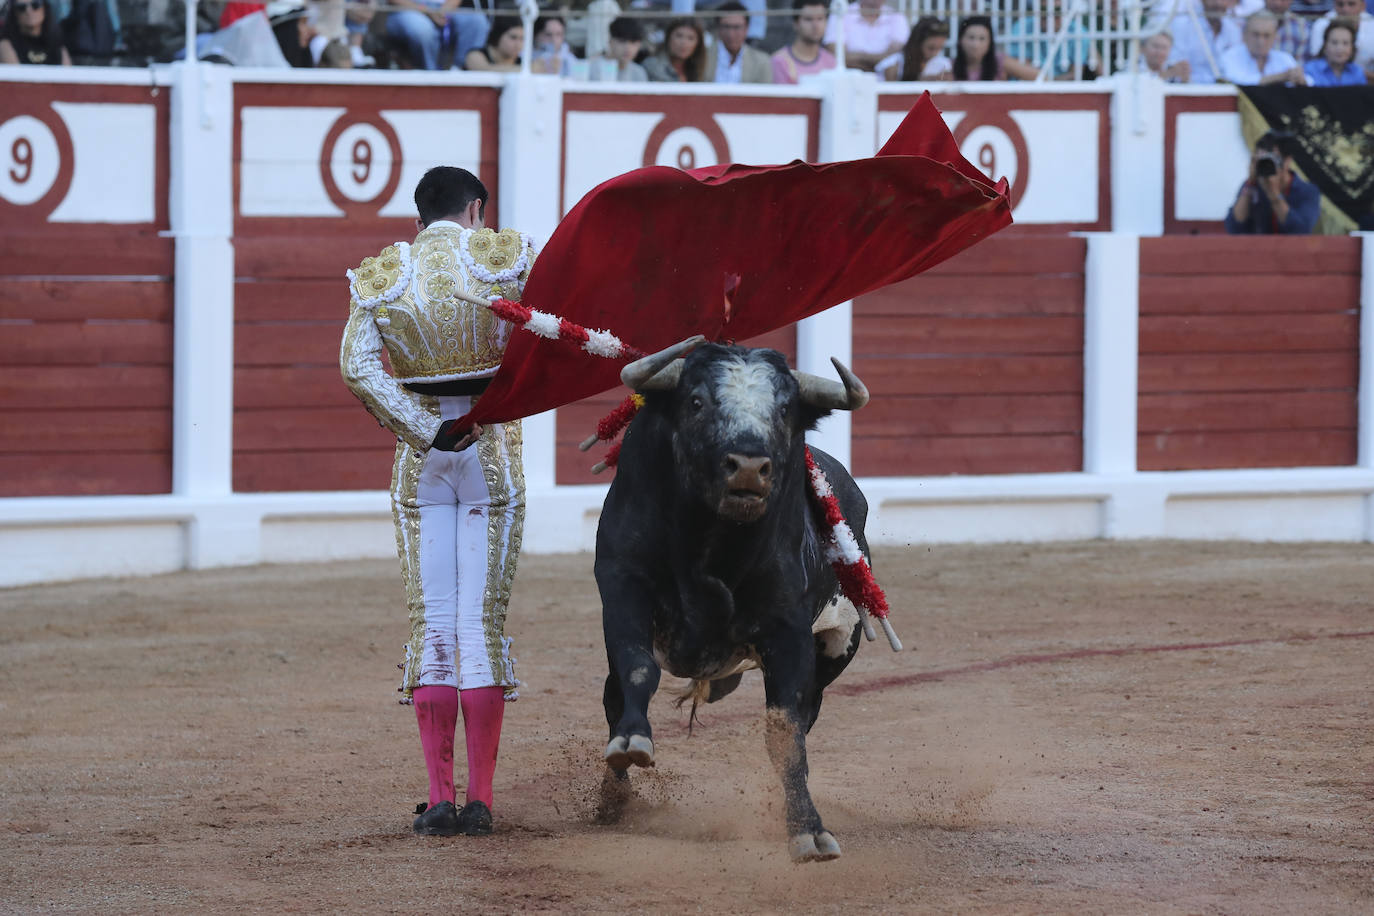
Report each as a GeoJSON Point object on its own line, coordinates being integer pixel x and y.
{"type": "Point", "coordinates": [382, 279]}
{"type": "Point", "coordinates": [496, 257]}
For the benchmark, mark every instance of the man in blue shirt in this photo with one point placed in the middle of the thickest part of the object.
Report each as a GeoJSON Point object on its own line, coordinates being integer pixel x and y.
{"type": "Point", "coordinates": [1274, 200]}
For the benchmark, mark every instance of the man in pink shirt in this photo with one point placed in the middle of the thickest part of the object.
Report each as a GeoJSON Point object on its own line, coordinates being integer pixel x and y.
{"type": "Point", "coordinates": [872, 31]}
{"type": "Point", "coordinates": [805, 54]}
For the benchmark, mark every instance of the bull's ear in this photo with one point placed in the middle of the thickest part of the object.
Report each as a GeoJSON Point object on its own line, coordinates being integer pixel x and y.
{"type": "Point", "coordinates": [811, 415]}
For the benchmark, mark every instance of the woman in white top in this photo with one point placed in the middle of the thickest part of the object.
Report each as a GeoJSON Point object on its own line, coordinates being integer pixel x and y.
{"type": "Point", "coordinates": [551, 52]}
{"type": "Point", "coordinates": [923, 56]}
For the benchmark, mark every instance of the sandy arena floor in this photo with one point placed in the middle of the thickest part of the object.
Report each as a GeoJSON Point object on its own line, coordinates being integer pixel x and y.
{"type": "Point", "coordinates": [1085, 728]}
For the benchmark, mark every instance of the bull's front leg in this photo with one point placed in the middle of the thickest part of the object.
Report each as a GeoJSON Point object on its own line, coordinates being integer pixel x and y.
{"type": "Point", "coordinates": [627, 622]}
{"type": "Point", "coordinates": [789, 672]}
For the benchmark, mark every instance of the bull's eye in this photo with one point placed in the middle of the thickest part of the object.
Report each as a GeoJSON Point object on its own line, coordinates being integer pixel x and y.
{"type": "Point", "coordinates": [697, 403]}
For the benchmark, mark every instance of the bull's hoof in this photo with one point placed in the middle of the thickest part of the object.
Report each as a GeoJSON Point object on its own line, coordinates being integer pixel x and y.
{"type": "Point", "coordinates": [636, 749]}
{"type": "Point", "coordinates": [813, 847]}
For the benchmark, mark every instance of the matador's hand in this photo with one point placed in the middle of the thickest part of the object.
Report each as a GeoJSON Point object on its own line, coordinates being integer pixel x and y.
{"type": "Point", "coordinates": [452, 439]}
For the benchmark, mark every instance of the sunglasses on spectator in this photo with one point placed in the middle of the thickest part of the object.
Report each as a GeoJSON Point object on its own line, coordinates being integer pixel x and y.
{"type": "Point", "coordinates": [25, 7]}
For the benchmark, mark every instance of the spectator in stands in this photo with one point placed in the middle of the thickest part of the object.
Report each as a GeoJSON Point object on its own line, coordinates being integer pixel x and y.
{"type": "Point", "coordinates": [1255, 61]}
{"type": "Point", "coordinates": [90, 30]}
{"type": "Point", "coordinates": [1311, 8]}
{"type": "Point", "coordinates": [357, 21]}
{"type": "Point", "coordinates": [923, 57]}
{"type": "Point", "coordinates": [1201, 40]}
{"type": "Point", "coordinates": [1240, 9]}
{"type": "Point", "coordinates": [420, 25]}
{"type": "Point", "coordinates": [1032, 38]}
{"type": "Point", "coordinates": [1292, 29]}
{"type": "Point", "coordinates": [758, 25]}
{"type": "Point", "coordinates": [32, 35]}
{"type": "Point", "coordinates": [730, 60]}
{"type": "Point", "coordinates": [296, 35]}
{"type": "Point", "coordinates": [1336, 66]}
{"type": "Point", "coordinates": [1364, 34]}
{"type": "Point", "coordinates": [502, 50]}
{"type": "Point", "coordinates": [551, 51]}
{"type": "Point", "coordinates": [872, 31]}
{"type": "Point", "coordinates": [977, 57]}
{"type": "Point", "coordinates": [1154, 57]}
{"type": "Point", "coordinates": [683, 56]}
{"type": "Point", "coordinates": [1274, 200]}
{"type": "Point", "coordinates": [622, 47]}
{"type": "Point", "coordinates": [805, 54]}
{"type": "Point", "coordinates": [334, 55]}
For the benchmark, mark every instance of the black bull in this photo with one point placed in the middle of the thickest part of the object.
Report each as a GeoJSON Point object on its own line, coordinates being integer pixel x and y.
{"type": "Point", "coordinates": [709, 555]}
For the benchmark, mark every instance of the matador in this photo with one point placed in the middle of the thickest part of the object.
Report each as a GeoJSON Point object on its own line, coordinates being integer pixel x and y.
{"type": "Point", "coordinates": [457, 495]}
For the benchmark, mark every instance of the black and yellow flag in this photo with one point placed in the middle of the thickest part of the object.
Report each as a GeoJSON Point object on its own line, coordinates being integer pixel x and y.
{"type": "Point", "coordinates": [1334, 130]}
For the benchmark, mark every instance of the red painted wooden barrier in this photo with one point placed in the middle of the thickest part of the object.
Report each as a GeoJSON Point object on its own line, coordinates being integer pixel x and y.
{"type": "Point", "coordinates": [975, 367]}
{"type": "Point", "coordinates": [1248, 352]}
{"type": "Point", "coordinates": [296, 425]}
{"type": "Point", "coordinates": [85, 312]}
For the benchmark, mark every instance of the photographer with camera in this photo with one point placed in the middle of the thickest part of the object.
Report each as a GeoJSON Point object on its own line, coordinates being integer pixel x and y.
{"type": "Point", "coordinates": [1274, 200]}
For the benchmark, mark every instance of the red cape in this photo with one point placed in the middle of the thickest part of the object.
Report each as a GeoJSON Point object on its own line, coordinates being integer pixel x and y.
{"type": "Point", "coordinates": [732, 251]}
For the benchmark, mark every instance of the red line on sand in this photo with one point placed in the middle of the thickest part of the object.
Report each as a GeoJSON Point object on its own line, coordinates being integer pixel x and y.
{"type": "Point", "coordinates": [1015, 661]}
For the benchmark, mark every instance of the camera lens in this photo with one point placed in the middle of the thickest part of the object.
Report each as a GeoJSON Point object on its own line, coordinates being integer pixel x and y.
{"type": "Point", "coordinates": [1266, 167]}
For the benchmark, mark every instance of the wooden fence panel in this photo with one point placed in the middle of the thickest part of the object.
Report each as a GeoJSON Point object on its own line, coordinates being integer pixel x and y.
{"type": "Point", "coordinates": [1248, 352]}
{"type": "Point", "coordinates": [977, 366]}
{"type": "Point", "coordinates": [86, 302]}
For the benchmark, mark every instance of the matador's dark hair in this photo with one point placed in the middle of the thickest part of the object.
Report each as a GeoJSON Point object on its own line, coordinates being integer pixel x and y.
{"type": "Point", "coordinates": [447, 190]}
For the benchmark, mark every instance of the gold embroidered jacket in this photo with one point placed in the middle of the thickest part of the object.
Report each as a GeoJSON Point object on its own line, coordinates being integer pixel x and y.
{"type": "Point", "coordinates": [403, 300]}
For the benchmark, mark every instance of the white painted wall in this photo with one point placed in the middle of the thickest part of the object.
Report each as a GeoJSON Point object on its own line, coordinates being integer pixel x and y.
{"type": "Point", "coordinates": [1210, 162]}
{"type": "Point", "coordinates": [202, 523]}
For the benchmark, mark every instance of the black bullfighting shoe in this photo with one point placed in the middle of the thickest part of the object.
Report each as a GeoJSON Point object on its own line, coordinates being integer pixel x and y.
{"type": "Point", "coordinates": [437, 820]}
{"type": "Point", "coordinates": [475, 819]}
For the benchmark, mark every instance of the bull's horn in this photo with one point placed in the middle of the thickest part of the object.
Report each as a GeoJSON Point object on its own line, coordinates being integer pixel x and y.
{"type": "Point", "coordinates": [831, 395]}
{"type": "Point", "coordinates": [659, 371]}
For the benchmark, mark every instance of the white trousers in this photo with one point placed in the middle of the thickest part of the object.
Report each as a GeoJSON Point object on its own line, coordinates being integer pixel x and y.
{"type": "Point", "coordinates": [459, 521]}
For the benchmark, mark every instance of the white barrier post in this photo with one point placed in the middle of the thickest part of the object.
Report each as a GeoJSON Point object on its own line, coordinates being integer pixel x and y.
{"type": "Point", "coordinates": [1137, 163]}
{"type": "Point", "coordinates": [201, 213]}
{"type": "Point", "coordinates": [848, 130]}
{"type": "Point", "coordinates": [531, 121]}
{"type": "Point", "coordinates": [1364, 418]}
{"type": "Point", "coordinates": [1111, 345]}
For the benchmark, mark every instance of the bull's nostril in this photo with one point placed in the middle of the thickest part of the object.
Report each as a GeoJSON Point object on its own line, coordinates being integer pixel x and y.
{"type": "Point", "coordinates": [731, 465]}
{"type": "Point", "coordinates": [766, 468]}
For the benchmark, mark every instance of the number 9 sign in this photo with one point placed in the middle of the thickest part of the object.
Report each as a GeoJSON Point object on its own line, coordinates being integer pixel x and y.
{"type": "Point", "coordinates": [686, 145]}
{"type": "Point", "coordinates": [29, 160]}
{"type": "Point", "coordinates": [994, 143]}
{"type": "Point", "coordinates": [361, 164]}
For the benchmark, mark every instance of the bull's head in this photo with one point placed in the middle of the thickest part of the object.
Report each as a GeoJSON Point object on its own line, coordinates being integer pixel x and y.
{"type": "Point", "coordinates": [739, 417]}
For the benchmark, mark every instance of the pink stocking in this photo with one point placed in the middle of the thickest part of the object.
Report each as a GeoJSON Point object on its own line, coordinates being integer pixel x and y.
{"type": "Point", "coordinates": [483, 708]}
{"type": "Point", "coordinates": [436, 710]}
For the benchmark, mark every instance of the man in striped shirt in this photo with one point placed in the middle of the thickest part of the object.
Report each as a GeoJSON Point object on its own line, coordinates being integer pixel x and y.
{"type": "Point", "coordinates": [805, 54]}
{"type": "Point", "coordinates": [1292, 35]}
